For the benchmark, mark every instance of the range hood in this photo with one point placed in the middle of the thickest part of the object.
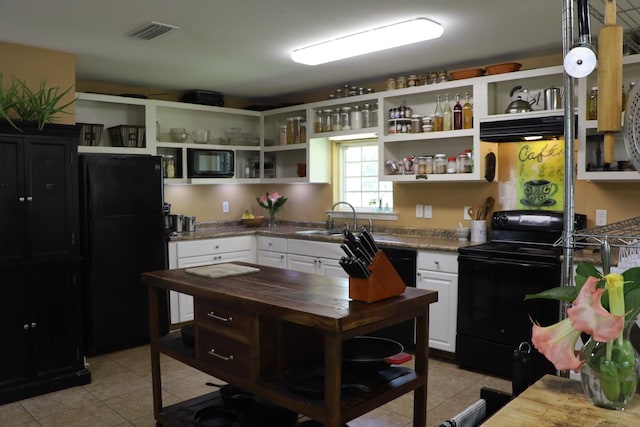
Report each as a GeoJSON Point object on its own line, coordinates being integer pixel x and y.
{"type": "Point", "coordinates": [538, 127]}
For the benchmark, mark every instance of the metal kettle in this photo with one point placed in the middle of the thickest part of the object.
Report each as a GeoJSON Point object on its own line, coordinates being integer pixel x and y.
{"type": "Point", "coordinates": [520, 105]}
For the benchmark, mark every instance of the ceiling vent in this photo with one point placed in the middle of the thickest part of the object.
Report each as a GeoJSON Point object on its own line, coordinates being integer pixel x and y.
{"type": "Point", "coordinates": [152, 30]}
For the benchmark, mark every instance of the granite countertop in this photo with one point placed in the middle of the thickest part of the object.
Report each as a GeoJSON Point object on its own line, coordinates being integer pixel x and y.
{"type": "Point", "coordinates": [422, 239]}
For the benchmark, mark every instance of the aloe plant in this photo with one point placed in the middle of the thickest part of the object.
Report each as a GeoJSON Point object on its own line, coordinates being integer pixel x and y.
{"type": "Point", "coordinates": [41, 105]}
{"type": "Point", "coordinates": [7, 102]}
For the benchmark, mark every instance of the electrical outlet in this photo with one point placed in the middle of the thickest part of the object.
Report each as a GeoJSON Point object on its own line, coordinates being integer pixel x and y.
{"type": "Point", "coordinates": [601, 217]}
{"type": "Point", "coordinates": [225, 207]}
{"type": "Point", "coordinates": [419, 211]}
{"type": "Point", "coordinates": [428, 211]}
{"type": "Point", "coordinates": [465, 213]}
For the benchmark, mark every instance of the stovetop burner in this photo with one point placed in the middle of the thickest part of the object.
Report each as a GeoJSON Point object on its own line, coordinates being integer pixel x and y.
{"type": "Point", "coordinates": [525, 235]}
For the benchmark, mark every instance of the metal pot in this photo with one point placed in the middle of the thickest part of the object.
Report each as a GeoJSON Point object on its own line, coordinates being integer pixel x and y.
{"type": "Point", "coordinates": [519, 105]}
{"type": "Point", "coordinates": [552, 98]}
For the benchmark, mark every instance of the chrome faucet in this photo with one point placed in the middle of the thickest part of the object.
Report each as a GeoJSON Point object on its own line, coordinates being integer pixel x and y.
{"type": "Point", "coordinates": [355, 219]}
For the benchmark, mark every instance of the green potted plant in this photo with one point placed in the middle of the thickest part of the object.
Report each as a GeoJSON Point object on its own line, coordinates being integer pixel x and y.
{"type": "Point", "coordinates": [36, 106]}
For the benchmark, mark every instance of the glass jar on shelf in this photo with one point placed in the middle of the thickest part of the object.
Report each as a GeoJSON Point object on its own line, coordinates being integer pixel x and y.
{"type": "Point", "coordinates": [452, 165]}
{"type": "Point", "coordinates": [317, 121]}
{"type": "Point", "coordinates": [366, 116]}
{"type": "Point", "coordinates": [464, 163]}
{"type": "Point", "coordinates": [327, 115]}
{"type": "Point", "coordinates": [440, 164]}
{"type": "Point", "coordinates": [416, 123]}
{"type": "Point", "coordinates": [336, 120]}
{"type": "Point", "coordinates": [374, 115]}
{"type": "Point", "coordinates": [345, 118]}
{"type": "Point", "coordinates": [169, 166]}
{"type": "Point", "coordinates": [356, 117]}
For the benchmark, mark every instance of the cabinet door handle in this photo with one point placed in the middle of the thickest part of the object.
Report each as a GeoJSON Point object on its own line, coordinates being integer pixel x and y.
{"type": "Point", "coordinates": [21, 199]}
{"type": "Point", "coordinates": [26, 326]}
{"type": "Point", "coordinates": [33, 325]}
{"type": "Point", "coordinates": [220, 318]}
{"type": "Point", "coordinates": [219, 356]}
{"type": "Point", "coordinates": [436, 262]}
{"type": "Point", "coordinates": [29, 199]}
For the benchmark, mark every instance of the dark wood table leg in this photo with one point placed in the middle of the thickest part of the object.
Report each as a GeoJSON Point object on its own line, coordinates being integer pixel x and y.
{"type": "Point", "coordinates": [154, 331]}
{"type": "Point", "coordinates": [333, 379]}
{"type": "Point", "coordinates": [421, 368]}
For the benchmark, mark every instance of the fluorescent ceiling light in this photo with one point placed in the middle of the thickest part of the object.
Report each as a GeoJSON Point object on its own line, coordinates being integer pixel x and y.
{"type": "Point", "coordinates": [381, 38]}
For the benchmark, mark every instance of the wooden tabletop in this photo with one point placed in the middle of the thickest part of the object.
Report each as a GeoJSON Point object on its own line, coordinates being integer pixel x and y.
{"type": "Point", "coordinates": [558, 401]}
{"type": "Point", "coordinates": [320, 301]}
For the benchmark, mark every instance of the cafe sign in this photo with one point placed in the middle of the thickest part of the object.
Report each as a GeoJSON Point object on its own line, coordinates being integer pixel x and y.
{"type": "Point", "coordinates": [540, 175]}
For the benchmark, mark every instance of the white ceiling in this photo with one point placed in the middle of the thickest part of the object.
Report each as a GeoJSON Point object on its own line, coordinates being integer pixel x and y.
{"type": "Point", "coordinates": [241, 47]}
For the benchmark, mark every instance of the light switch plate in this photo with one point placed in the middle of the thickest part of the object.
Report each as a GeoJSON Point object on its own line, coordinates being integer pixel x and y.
{"type": "Point", "coordinates": [225, 207]}
{"type": "Point", "coordinates": [428, 211]}
{"type": "Point", "coordinates": [419, 211]}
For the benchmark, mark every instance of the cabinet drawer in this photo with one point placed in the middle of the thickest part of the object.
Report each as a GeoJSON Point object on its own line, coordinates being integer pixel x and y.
{"type": "Point", "coordinates": [220, 318]}
{"type": "Point", "coordinates": [314, 249]}
{"type": "Point", "coordinates": [213, 246]}
{"type": "Point", "coordinates": [275, 244]}
{"type": "Point", "coordinates": [222, 352]}
{"type": "Point", "coordinates": [437, 261]}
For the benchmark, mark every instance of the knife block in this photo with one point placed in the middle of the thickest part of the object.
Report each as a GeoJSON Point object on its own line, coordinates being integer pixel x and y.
{"type": "Point", "coordinates": [383, 283]}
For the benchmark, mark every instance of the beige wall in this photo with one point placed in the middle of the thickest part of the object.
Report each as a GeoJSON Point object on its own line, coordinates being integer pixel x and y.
{"type": "Point", "coordinates": [34, 65]}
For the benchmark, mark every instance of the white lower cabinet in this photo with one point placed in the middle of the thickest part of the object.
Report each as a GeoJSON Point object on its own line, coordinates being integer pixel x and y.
{"type": "Point", "coordinates": [315, 257]}
{"type": "Point", "coordinates": [195, 253]}
{"type": "Point", "coordinates": [272, 251]}
{"type": "Point", "coordinates": [438, 271]}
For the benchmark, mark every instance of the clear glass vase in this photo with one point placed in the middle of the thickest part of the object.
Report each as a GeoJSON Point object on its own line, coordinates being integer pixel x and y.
{"type": "Point", "coordinates": [272, 219]}
{"type": "Point", "coordinates": [610, 371]}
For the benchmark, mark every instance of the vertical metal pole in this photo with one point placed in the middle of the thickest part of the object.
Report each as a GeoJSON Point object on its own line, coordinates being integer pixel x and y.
{"type": "Point", "coordinates": [569, 120]}
{"type": "Point", "coordinates": [569, 136]}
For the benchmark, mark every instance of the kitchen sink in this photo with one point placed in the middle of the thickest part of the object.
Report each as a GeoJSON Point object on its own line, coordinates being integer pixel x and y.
{"type": "Point", "coordinates": [320, 232]}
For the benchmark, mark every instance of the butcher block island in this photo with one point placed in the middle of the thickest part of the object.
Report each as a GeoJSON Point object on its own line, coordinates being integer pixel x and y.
{"type": "Point", "coordinates": [253, 330]}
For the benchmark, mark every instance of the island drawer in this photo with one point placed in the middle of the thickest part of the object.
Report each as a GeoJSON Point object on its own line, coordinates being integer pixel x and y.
{"type": "Point", "coordinates": [220, 318]}
{"type": "Point", "coordinates": [222, 352]}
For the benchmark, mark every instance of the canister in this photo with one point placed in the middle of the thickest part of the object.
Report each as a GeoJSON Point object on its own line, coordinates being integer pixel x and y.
{"type": "Point", "coordinates": [177, 222]}
{"type": "Point", "coordinates": [293, 129]}
{"type": "Point", "coordinates": [452, 165]}
{"type": "Point", "coordinates": [189, 224]}
{"type": "Point", "coordinates": [416, 123]}
{"type": "Point", "coordinates": [169, 166]}
{"type": "Point", "coordinates": [440, 164]}
{"type": "Point", "coordinates": [326, 120]}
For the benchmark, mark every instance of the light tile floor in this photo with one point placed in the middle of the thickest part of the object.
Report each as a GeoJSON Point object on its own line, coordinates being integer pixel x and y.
{"type": "Point", "coordinates": [120, 395]}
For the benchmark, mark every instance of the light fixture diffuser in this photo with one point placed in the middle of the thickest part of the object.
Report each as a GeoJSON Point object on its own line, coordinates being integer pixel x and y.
{"type": "Point", "coordinates": [374, 40]}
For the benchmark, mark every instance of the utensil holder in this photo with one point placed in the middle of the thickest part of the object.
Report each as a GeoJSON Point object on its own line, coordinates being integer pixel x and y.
{"type": "Point", "coordinates": [383, 283]}
{"type": "Point", "coordinates": [478, 231]}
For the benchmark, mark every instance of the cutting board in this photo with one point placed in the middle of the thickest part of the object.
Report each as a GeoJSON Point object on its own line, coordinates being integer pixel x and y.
{"type": "Point", "coordinates": [222, 270]}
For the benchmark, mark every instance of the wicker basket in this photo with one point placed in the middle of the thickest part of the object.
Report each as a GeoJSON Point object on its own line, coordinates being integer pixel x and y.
{"type": "Point", "coordinates": [127, 136]}
{"type": "Point", "coordinates": [91, 133]}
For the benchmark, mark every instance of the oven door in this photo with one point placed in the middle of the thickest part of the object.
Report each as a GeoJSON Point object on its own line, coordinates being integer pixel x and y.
{"type": "Point", "coordinates": [493, 318]}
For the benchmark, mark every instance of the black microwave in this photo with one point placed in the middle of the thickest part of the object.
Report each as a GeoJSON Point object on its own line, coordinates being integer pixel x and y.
{"type": "Point", "coordinates": [203, 163]}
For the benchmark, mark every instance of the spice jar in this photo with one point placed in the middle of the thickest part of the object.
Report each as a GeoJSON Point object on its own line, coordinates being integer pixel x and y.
{"type": "Point", "coordinates": [464, 163]}
{"type": "Point", "coordinates": [416, 123]}
{"type": "Point", "coordinates": [413, 80]}
{"type": "Point", "coordinates": [401, 82]}
{"type": "Point", "coordinates": [440, 164]}
{"type": "Point", "coordinates": [452, 165]}
{"type": "Point", "coordinates": [169, 166]}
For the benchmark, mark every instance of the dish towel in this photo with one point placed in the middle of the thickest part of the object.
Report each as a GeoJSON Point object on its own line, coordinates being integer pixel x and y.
{"type": "Point", "coordinates": [471, 416]}
{"type": "Point", "coordinates": [222, 270]}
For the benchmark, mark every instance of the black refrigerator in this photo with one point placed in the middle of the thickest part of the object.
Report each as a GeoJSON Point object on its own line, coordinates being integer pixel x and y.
{"type": "Point", "coordinates": [123, 235]}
